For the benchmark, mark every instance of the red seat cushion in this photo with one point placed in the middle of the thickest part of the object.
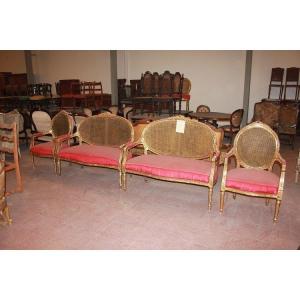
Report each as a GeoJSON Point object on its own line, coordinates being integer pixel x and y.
{"type": "Point", "coordinates": [186, 97]}
{"type": "Point", "coordinates": [92, 154]}
{"type": "Point", "coordinates": [253, 180]}
{"type": "Point", "coordinates": [43, 149]}
{"type": "Point", "coordinates": [171, 167]}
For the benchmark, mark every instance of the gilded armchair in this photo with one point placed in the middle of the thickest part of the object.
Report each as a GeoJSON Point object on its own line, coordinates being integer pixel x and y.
{"type": "Point", "coordinates": [256, 150]}
{"type": "Point", "coordinates": [61, 124]}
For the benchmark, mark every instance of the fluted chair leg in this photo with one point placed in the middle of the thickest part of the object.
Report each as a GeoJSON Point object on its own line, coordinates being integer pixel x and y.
{"type": "Point", "coordinates": [277, 206]}
{"type": "Point", "coordinates": [210, 198]}
{"type": "Point", "coordinates": [222, 194]}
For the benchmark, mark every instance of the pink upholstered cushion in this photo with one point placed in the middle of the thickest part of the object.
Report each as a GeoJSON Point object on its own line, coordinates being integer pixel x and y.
{"type": "Point", "coordinates": [171, 167]}
{"type": "Point", "coordinates": [252, 180]}
{"type": "Point", "coordinates": [91, 154]}
{"type": "Point", "coordinates": [43, 149]}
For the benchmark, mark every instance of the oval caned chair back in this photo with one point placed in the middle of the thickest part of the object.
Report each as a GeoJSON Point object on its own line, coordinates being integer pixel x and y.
{"type": "Point", "coordinates": [256, 145]}
{"type": "Point", "coordinates": [203, 108]}
{"type": "Point", "coordinates": [236, 118]}
{"type": "Point", "coordinates": [146, 83]}
{"type": "Point", "coordinates": [105, 129]}
{"type": "Point", "coordinates": [41, 121]}
{"type": "Point", "coordinates": [163, 137]}
{"type": "Point", "coordinates": [62, 123]}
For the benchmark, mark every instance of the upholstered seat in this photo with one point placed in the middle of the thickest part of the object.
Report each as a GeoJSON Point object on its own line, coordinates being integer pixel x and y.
{"type": "Point", "coordinates": [62, 124]}
{"type": "Point", "coordinates": [253, 180]}
{"type": "Point", "coordinates": [43, 149]}
{"type": "Point", "coordinates": [171, 167]}
{"type": "Point", "coordinates": [92, 154]}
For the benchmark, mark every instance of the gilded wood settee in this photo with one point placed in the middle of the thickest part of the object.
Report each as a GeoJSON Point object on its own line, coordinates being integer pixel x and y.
{"type": "Point", "coordinates": [177, 149]}
{"type": "Point", "coordinates": [101, 139]}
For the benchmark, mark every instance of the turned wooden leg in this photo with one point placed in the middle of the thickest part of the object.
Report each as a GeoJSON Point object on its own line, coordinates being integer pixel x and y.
{"type": "Point", "coordinates": [33, 162]}
{"type": "Point", "coordinates": [6, 215]}
{"type": "Point", "coordinates": [267, 201]}
{"type": "Point", "coordinates": [124, 181]}
{"type": "Point", "coordinates": [18, 175]}
{"type": "Point", "coordinates": [210, 198]}
{"type": "Point", "coordinates": [120, 179]}
{"type": "Point", "coordinates": [277, 206]}
{"type": "Point", "coordinates": [222, 194]}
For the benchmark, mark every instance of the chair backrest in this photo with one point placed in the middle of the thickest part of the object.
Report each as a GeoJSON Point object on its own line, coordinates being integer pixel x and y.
{"type": "Point", "coordinates": [236, 118]}
{"type": "Point", "coordinates": [166, 83]}
{"type": "Point", "coordinates": [62, 123]}
{"type": "Point", "coordinates": [138, 128]}
{"type": "Point", "coordinates": [105, 129]}
{"type": "Point", "coordinates": [292, 74]}
{"type": "Point", "coordinates": [177, 83]}
{"type": "Point", "coordinates": [186, 86]}
{"type": "Point", "coordinates": [288, 118]}
{"type": "Point", "coordinates": [87, 111]}
{"type": "Point", "coordinates": [266, 112]}
{"type": "Point", "coordinates": [277, 74]}
{"type": "Point", "coordinates": [180, 136]}
{"type": "Point", "coordinates": [9, 142]}
{"type": "Point", "coordinates": [203, 108]}
{"type": "Point", "coordinates": [79, 117]}
{"type": "Point", "coordinates": [114, 109]}
{"type": "Point", "coordinates": [256, 146]}
{"type": "Point", "coordinates": [146, 84]}
{"type": "Point", "coordinates": [155, 83]}
{"type": "Point", "coordinates": [41, 121]}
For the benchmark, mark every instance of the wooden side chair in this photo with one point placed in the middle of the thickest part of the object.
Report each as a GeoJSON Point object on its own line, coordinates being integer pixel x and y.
{"type": "Point", "coordinates": [287, 124]}
{"type": "Point", "coordinates": [4, 210]}
{"type": "Point", "coordinates": [186, 89]}
{"type": "Point", "coordinates": [292, 81]}
{"type": "Point", "coordinates": [61, 124]}
{"type": "Point", "coordinates": [256, 150]}
{"type": "Point", "coordinates": [9, 145]}
{"type": "Point", "coordinates": [276, 81]}
{"type": "Point", "coordinates": [235, 124]}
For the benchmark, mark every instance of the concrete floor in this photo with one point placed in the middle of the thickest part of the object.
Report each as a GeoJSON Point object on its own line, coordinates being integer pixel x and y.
{"type": "Point", "coordinates": [85, 209]}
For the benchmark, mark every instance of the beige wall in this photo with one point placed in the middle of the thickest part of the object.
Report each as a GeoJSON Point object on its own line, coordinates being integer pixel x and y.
{"type": "Point", "coordinates": [262, 64]}
{"type": "Point", "coordinates": [12, 61]}
{"type": "Point", "coordinates": [217, 76]}
{"type": "Point", "coordinates": [51, 66]}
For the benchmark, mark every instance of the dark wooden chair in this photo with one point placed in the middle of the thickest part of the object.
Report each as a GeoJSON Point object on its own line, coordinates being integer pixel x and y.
{"type": "Point", "coordinates": [276, 81]}
{"type": "Point", "coordinates": [235, 124]}
{"type": "Point", "coordinates": [287, 124]}
{"type": "Point", "coordinates": [292, 81]}
{"type": "Point", "coordinates": [203, 108]}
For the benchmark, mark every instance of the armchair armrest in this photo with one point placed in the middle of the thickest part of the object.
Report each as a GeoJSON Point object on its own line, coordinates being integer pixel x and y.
{"type": "Point", "coordinates": [37, 135]}
{"type": "Point", "coordinates": [58, 141]}
{"type": "Point", "coordinates": [282, 163]}
{"type": "Point", "coordinates": [128, 146]}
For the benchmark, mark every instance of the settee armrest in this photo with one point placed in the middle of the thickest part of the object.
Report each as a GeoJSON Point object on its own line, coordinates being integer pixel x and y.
{"type": "Point", "coordinates": [128, 146]}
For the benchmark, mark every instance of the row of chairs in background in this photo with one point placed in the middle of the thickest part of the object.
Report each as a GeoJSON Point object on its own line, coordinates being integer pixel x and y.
{"type": "Point", "coordinates": [39, 89]}
{"type": "Point", "coordinates": [291, 83]}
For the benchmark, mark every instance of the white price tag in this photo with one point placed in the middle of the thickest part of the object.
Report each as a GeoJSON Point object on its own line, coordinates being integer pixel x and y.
{"type": "Point", "coordinates": [180, 126]}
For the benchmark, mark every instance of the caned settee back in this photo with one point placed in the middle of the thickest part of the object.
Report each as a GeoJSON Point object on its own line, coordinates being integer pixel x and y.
{"type": "Point", "coordinates": [180, 136]}
{"type": "Point", "coordinates": [105, 129]}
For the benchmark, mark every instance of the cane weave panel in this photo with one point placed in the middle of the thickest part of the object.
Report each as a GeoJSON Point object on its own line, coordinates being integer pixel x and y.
{"type": "Point", "coordinates": [256, 148]}
{"type": "Point", "coordinates": [197, 141]}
